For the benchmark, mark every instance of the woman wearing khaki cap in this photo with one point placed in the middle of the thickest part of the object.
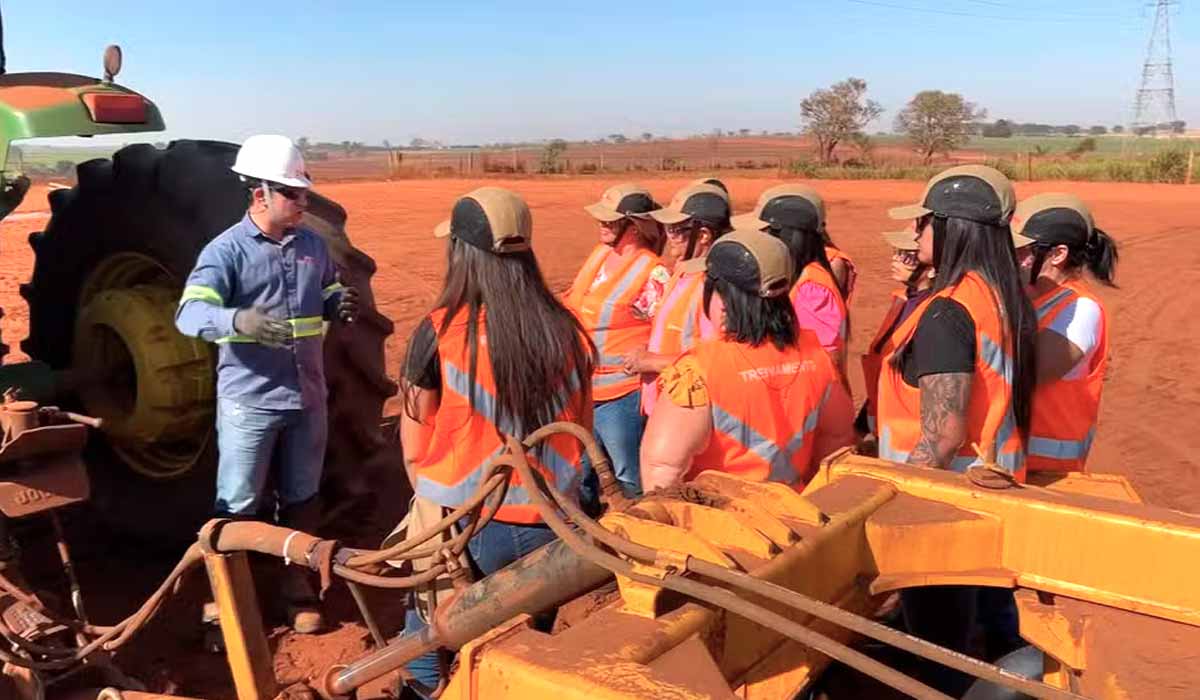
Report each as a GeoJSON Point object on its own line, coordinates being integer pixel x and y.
{"type": "Point", "coordinates": [498, 355]}
{"type": "Point", "coordinates": [795, 214]}
{"type": "Point", "coordinates": [615, 296]}
{"type": "Point", "coordinates": [957, 390]}
{"type": "Point", "coordinates": [696, 217]}
{"type": "Point", "coordinates": [1072, 341]}
{"type": "Point", "coordinates": [762, 400]}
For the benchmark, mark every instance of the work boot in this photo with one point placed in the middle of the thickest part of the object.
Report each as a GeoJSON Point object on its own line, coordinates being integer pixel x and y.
{"type": "Point", "coordinates": [304, 615]}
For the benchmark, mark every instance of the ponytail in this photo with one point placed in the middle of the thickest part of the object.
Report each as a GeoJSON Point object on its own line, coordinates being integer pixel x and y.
{"type": "Point", "coordinates": [1102, 257]}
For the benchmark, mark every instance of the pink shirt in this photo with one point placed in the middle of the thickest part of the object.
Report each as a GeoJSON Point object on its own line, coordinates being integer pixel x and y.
{"type": "Point", "coordinates": [817, 311]}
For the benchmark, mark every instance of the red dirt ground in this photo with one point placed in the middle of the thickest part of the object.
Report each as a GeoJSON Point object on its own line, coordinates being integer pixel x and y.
{"type": "Point", "coordinates": [1146, 433]}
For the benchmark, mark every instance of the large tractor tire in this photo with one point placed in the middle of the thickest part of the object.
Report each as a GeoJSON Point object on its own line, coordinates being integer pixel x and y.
{"type": "Point", "coordinates": [108, 273]}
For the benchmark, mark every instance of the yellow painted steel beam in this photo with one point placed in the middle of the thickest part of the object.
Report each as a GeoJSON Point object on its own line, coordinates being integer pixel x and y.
{"type": "Point", "coordinates": [1125, 555]}
{"type": "Point", "coordinates": [241, 626]}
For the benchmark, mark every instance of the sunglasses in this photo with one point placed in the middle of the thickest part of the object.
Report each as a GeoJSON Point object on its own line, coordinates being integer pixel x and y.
{"type": "Point", "coordinates": [289, 193]}
{"type": "Point", "coordinates": [679, 230]}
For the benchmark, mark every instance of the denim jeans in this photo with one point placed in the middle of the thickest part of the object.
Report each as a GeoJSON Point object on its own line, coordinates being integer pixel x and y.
{"type": "Point", "coordinates": [494, 547]}
{"type": "Point", "coordinates": [618, 426]}
{"type": "Point", "coordinates": [247, 439]}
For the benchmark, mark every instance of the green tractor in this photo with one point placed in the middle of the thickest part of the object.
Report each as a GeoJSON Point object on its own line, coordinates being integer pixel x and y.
{"type": "Point", "coordinates": [110, 266]}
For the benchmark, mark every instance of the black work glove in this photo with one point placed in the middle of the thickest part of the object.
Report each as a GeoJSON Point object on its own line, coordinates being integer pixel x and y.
{"type": "Point", "coordinates": [347, 307]}
{"type": "Point", "coordinates": [257, 324]}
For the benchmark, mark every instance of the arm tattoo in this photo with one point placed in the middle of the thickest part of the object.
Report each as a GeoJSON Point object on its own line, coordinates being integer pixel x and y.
{"type": "Point", "coordinates": [943, 418]}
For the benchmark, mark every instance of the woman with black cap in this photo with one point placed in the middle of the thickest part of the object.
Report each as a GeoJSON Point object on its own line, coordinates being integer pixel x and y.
{"type": "Point", "coordinates": [762, 400]}
{"type": "Point", "coordinates": [957, 390]}
{"type": "Point", "coordinates": [795, 214]}
{"type": "Point", "coordinates": [498, 355]}
{"type": "Point", "coordinates": [1072, 340]}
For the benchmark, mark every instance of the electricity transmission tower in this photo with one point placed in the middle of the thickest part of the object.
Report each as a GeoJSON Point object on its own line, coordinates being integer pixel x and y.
{"type": "Point", "coordinates": [1155, 104]}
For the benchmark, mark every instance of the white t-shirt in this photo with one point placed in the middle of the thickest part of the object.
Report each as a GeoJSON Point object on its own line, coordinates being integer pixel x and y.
{"type": "Point", "coordinates": [1082, 324]}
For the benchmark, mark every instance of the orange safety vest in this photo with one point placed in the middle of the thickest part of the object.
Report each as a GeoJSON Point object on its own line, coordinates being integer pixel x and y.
{"type": "Point", "coordinates": [1065, 411]}
{"type": "Point", "coordinates": [606, 312]}
{"type": "Point", "coordinates": [880, 347]}
{"type": "Point", "coordinates": [990, 419]}
{"type": "Point", "coordinates": [765, 405]}
{"type": "Point", "coordinates": [676, 326]}
{"type": "Point", "coordinates": [832, 254]}
{"type": "Point", "coordinates": [464, 441]}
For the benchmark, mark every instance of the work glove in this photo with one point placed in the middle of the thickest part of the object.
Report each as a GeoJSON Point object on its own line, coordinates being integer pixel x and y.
{"type": "Point", "coordinates": [347, 307]}
{"type": "Point", "coordinates": [257, 324]}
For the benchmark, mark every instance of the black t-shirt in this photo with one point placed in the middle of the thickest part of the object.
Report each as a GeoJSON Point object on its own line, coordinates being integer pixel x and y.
{"type": "Point", "coordinates": [944, 343]}
{"type": "Point", "coordinates": [422, 368]}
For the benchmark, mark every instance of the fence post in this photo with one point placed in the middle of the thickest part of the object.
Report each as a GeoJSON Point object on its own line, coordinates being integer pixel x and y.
{"type": "Point", "coordinates": [1029, 166]}
{"type": "Point", "coordinates": [1191, 164]}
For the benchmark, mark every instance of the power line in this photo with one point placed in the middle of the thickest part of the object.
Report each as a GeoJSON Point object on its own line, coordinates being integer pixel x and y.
{"type": "Point", "coordinates": [1033, 19]}
{"type": "Point", "coordinates": [1038, 10]}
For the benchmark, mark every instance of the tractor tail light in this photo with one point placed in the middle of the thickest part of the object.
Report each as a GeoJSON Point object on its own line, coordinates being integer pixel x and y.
{"type": "Point", "coordinates": [115, 109]}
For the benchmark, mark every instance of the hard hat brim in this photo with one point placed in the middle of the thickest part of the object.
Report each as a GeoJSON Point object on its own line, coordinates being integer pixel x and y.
{"type": "Point", "coordinates": [301, 182]}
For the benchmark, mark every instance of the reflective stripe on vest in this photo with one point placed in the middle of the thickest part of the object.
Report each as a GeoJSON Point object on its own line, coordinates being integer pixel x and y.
{"type": "Point", "coordinates": [610, 305]}
{"type": "Point", "coordinates": [1053, 301]}
{"type": "Point", "coordinates": [335, 288]}
{"type": "Point", "coordinates": [565, 473]}
{"type": "Point", "coordinates": [194, 292]}
{"type": "Point", "coordinates": [1062, 449]}
{"type": "Point", "coordinates": [779, 458]}
{"type": "Point", "coordinates": [307, 327]}
{"type": "Point", "coordinates": [1013, 462]}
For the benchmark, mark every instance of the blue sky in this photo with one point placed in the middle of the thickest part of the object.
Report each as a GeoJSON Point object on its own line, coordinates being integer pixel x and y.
{"type": "Point", "coordinates": [469, 72]}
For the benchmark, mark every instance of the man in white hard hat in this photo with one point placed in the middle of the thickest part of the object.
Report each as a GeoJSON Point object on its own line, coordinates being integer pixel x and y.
{"type": "Point", "coordinates": [263, 291]}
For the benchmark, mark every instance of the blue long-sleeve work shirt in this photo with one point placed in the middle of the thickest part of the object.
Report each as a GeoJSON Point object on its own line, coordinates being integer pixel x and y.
{"type": "Point", "coordinates": [294, 279]}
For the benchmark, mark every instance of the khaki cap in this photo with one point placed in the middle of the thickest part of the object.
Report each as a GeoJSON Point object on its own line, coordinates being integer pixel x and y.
{"type": "Point", "coordinates": [901, 240]}
{"type": "Point", "coordinates": [702, 200]}
{"type": "Point", "coordinates": [709, 181]}
{"type": "Point", "coordinates": [974, 192]}
{"type": "Point", "coordinates": [620, 201]}
{"type": "Point", "coordinates": [1053, 218]}
{"type": "Point", "coordinates": [772, 269]}
{"type": "Point", "coordinates": [771, 209]}
{"type": "Point", "coordinates": [490, 218]}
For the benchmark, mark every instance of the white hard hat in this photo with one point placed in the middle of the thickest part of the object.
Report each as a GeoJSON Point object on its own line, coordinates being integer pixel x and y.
{"type": "Point", "coordinates": [272, 158]}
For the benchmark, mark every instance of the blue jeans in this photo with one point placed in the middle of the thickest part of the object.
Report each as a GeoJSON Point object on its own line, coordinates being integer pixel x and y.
{"type": "Point", "coordinates": [247, 439]}
{"type": "Point", "coordinates": [618, 426]}
{"type": "Point", "coordinates": [494, 547]}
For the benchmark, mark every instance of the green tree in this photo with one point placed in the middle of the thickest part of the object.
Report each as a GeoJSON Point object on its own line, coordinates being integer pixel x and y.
{"type": "Point", "coordinates": [1118, 129]}
{"type": "Point", "coordinates": [1002, 129]}
{"type": "Point", "coordinates": [1098, 130]}
{"type": "Point", "coordinates": [937, 122]}
{"type": "Point", "coordinates": [836, 114]}
{"type": "Point", "coordinates": [550, 155]}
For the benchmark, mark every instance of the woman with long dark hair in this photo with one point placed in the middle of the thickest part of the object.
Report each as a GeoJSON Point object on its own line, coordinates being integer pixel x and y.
{"type": "Point", "coordinates": [762, 400]}
{"type": "Point", "coordinates": [1072, 340]}
{"type": "Point", "coordinates": [499, 355]}
{"type": "Point", "coordinates": [795, 214]}
{"type": "Point", "coordinates": [957, 390]}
